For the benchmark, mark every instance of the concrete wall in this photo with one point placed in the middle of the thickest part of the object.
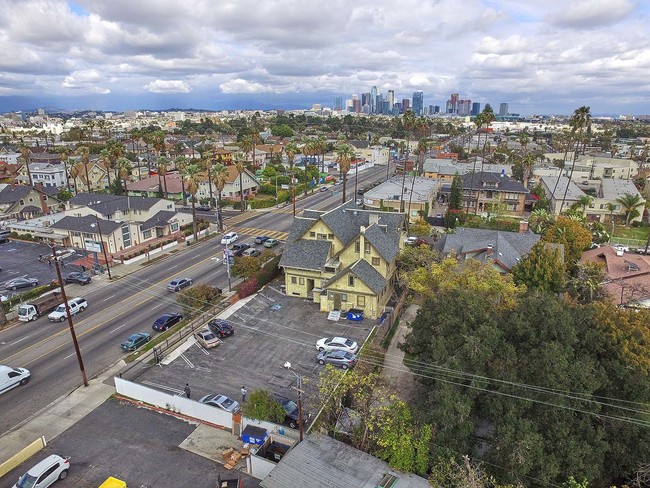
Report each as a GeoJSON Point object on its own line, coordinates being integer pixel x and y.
{"type": "Point", "coordinates": [22, 456]}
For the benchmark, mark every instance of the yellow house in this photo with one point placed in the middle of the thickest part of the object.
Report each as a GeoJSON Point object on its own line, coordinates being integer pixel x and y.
{"type": "Point", "coordinates": [344, 258]}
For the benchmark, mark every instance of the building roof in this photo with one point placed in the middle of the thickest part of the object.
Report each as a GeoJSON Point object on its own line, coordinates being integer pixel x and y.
{"type": "Point", "coordinates": [573, 193]}
{"type": "Point", "coordinates": [12, 194]}
{"type": "Point", "coordinates": [615, 188]}
{"type": "Point", "coordinates": [306, 254]}
{"type": "Point", "coordinates": [363, 270]}
{"type": "Point", "coordinates": [153, 183]}
{"type": "Point", "coordinates": [87, 224]}
{"type": "Point", "coordinates": [322, 462]}
{"type": "Point", "coordinates": [161, 219]}
{"type": "Point", "coordinates": [484, 180]}
{"type": "Point", "coordinates": [489, 245]}
{"type": "Point", "coordinates": [387, 244]}
{"type": "Point", "coordinates": [423, 189]}
{"type": "Point", "coordinates": [108, 204]}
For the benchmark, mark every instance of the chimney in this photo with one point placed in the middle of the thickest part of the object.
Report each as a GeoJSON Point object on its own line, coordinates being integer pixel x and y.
{"type": "Point", "coordinates": [489, 251]}
{"type": "Point", "coordinates": [373, 219]}
{"type": "Point", "coordinates": [523, 226]}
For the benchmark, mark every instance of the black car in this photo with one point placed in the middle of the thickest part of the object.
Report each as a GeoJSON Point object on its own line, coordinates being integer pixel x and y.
{"type": "Point", "coordinates": [203, 208]}
{"type": "Point", "coordinates": [20, 283]}
{"type": "Point", "coordinates": [261, 239]}
{"type": "Point", "coordinates": [77, 277]}
{"type": "Point", "coordinates": [238, 249]}
{"type": "Point", "coordinates": [291, 412]}
{"type": "Point", "coordinates": [221, 328]}
{"type": "Point", "coordinates": [166, 321]}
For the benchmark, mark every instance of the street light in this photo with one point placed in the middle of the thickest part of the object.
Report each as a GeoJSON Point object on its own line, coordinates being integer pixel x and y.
{"type": "Point", "coordinates": [298, 388]}
{"type": "Point", "coordinates": [226, 257]}
{"type": "Point", "coordinates": [101, 242]}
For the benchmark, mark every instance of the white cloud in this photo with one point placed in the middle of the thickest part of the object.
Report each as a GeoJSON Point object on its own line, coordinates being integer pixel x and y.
{"type": "Point", "coordinates": [167, 86]}
{"type": "Point", "coordinates": [243, 86]}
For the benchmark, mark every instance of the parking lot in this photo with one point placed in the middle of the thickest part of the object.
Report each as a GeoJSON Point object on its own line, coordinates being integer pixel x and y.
{"type": "Point", "coordinates": [270, 330]}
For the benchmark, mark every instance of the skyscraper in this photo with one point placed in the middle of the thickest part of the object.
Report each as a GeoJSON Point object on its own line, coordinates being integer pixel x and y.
{"type": "Point", "coordinates": [452, 104]}
{"type": "Point", "coordinates": [406, 104]}
{"type": "Point", "coordinates": [464, 107]}
{"type": "Point", "coordinates": [418, 102]}
{"type": "Point", "coordinates": [390, 98]}
{"type": "Point", "coordinates": [338, 103]}
{"type": "Point", "coordinates": [503, 108]}
{"type": "Point", "coordinates": [476, 108]}
{"type": "Point", "coordinates": [373, 100]}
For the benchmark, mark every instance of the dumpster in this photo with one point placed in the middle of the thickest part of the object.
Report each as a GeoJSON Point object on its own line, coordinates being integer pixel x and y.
{"type": "Point", "coordinates": [113, 483]}
{"type": "Point", "coordinates": [254, 435]}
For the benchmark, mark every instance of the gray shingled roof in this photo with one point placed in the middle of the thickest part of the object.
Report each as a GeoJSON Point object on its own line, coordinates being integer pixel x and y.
{"type": "Point", "coordinates": [386, 244]}
{"type": "Point", "coordinates": [298, 228]}
{"type": "Point", "coordinates": [306, 254]}
{"type": "Point", "coordinates": [13, 194]}
{"type": "Point", "coordinates": [507, 247]}
{"type": "Point", "coordinates": [339, 220]}
{"type": "Point", "coordinates": [363, 270]}
{"type": "Point", "coordinates": [85, 224]}
{"type": "Point", "coordinates": [108, 204]}
{"type": "Point", "coordinates": [505, 183]}
{"type": "Point", "coordinates": [322, 462]}
{"type": "Point", "coordinates": [161, 219]}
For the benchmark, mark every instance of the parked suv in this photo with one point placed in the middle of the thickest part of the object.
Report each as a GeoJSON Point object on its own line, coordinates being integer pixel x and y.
{"type": "Point", "coordinates": [291, 412]}
{"type": "Point", "coordinates": [221, 328]}
{"type": "Point", "coordinates": [76, 305]}
{"type": "Point", "coordinates": [45, 473]}
{"type": "Point", "coordinates": [77, 277]}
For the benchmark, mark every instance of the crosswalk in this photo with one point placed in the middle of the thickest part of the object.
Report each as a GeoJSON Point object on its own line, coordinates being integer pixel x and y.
{"type": "Point", "coordinates": [253, 231]}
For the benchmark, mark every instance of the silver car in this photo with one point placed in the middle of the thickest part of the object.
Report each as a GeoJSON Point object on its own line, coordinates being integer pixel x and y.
{"type": "Point", "coordinates": [222, 402]}
{"type": "Point", "coordinates": [338, 357]}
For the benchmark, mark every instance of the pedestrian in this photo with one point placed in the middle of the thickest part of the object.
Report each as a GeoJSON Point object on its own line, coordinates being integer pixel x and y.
{"type": "Point", "coordinates": [49, 262]}
{"type": "Point", "coordinates": [187, 390]}
{"type": "Point", "coordinates": [83, 268]}
{"type": "Point", "coordinates": [243, 394]}
{"type": "Point", "coordinates": [40, 258]}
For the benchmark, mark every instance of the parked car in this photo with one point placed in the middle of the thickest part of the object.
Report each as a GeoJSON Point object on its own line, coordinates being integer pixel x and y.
{"type": "Point", "coordinates": [207, 338]}
{"type": "Point", "coordinates": [621, 248]}
{"type": "Point", "coordinates": [238, 249]}
{"type": "Point", "coordinates": [338, 357]}
{"type": "Point", "coordinates": [251, 253]}
{"type": "Point", "coordinates": [261, 239]}
{"type": "Point", "coordinates": [12, 377]}
{"type": "Point", "coordinates": [271, 243]}
{"type": "Point", "coordinates": [203, 208]}
{"type": "Point", "coordinates": [229, 238]}
{"type": "Point", "coordinates": [135, 341]}
{"type": "Point", "coordinates": [166, 321]}
{"type": "Point", "coordinates": [76, 305]}
{"type": "Point", "coordinates": [179, 283]}
{"type": "Point", "coordinates": [77, 277]}
{"type": "Point", "coordinates": [222, 402]}
{"type": "Point", "coordinates": [332, 343]}
{"type": "Point", "coordinates": [21, 283]}
{"type": "Point", "coordinates": [323, 188]}
{"type": "Point", "coordinates": [414, 241]}
{"type": "Point", "coordinates": [292, 413]}
{"type": "Point", "coordinates": [45, 473]}
{"type": "Point", "coordinates": [222, 328]}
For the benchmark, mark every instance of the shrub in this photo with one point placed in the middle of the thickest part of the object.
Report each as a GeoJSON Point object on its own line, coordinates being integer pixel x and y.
{"type": "Point", "coordinates": [247, 288]}
{"type": "Point", "coordinates": [197, 297]}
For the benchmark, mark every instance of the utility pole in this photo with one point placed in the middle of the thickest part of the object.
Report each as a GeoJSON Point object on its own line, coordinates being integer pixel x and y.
{"type": "Point", "coordinates": [67, 310]}
{"type": "Point", "coordinates": [298, 388]}
{"type": "Point", "coordinates": [101, 242]}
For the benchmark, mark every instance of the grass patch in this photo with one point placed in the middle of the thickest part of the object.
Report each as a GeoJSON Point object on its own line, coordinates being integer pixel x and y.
{"type": "Point", "coordinates": [389, 337]}
{"type": "Point", "coordinates": [639, 233]}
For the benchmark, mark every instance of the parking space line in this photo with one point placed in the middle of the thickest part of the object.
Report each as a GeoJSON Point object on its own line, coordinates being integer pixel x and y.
{"type": "Point", "coordinates": [184, 358]}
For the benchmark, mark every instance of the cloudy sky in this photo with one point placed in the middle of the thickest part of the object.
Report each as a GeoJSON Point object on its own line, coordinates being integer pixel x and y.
{"type": "Point", "coordinates": [540, 56]}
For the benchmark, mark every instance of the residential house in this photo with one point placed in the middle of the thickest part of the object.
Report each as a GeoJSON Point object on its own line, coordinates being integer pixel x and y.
{"type": "Point", "coordinates": [322, 462]}
{"type": "Point", "coordinates": [627, 275]}
{"type": "Point", "coordinates": [24, 202]}
{"type": "Point", "coordinates": [343, 258]}
{"type": "Point", "coordinates": [94, 177]}
{"type": "Point", "coordinates": [503, 249]}
{"type": "Point", "coordinates": [9, 172]}
{"type": "Point", "coordinates": [152, 186]}
{"type": "Point", "coordinates": [416, 192]}
{"type": "Point", "coordinates": [231, 191]}
{"type": "Point", "coordinates": [48, 174]}
{"type": "Point", "coordinates": [609, 191]}
{"type": "Point", "coordinates": [140, 219]}
{"type": "Point", "coordinates": [485, 192]}
{"type": "Point", "coordinates": [555, 192]}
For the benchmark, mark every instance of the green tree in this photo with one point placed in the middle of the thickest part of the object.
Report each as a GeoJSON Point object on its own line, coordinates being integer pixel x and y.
{"type": "Point", "coordinates": [344, 156]}
{"type": "Point", "coordinates": [586, 283]}
{"type": "Point", "coordinates": [239, 165]}
{"type": "Point", "coordinates": [192, 177]}
{"type": "Point", "coordinates": [261, 405]}
{"type": "Point", "coordinates": [573, 235]}
{"type": "Point", "coordinates": [246, 266]}
{"type": "Point", "coordinates": [456, 194]}
{"type": "Point", "coordinates": [219, 178]}
{"type": "Point", "coordinates": [282, 130]}
{"type": "Point", "coordinates": [198, 297]}
{"type": "Point", "coordinates": [291, 150]}
{"type": "Point", "coordinates": [630, 204]}
{"type": "Point", "coordinates": [542, 269]}
{"type": "Point", "coordinates": [394, 436]}
{"type": "Point", "coordinates": [580, 124]}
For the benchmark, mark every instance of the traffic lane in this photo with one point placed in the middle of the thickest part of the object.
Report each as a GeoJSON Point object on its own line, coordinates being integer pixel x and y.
{"type": "Point", "coordinates": [133, 444]}
{"type": "Point", "coordinates": [254, 355]}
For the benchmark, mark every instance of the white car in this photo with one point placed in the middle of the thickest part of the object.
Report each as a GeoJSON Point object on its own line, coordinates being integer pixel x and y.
{"type": "Point", "coordinates": [229, 238]}
{"type": "Point", "coordinates": [337, 343]}
{"type": "Point", "coordinates": [45, 473]}
{"type": "Point", "coordinates": [76, 305]}
{"type": "Point", "coordinates": [621, 248]}
{"type": "Point", "coordinates": [12, 377]}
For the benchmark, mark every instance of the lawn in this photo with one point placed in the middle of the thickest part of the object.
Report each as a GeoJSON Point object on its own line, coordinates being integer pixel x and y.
{"type": "Point", "coordinates": [639, 233]}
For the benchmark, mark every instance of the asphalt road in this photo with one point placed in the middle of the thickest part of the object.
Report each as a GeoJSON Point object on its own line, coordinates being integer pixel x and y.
{"type": "Point", "coordinates": [127, 305]}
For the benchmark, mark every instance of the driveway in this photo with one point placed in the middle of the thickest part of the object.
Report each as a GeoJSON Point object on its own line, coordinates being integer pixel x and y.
{"type": "Point", "coordinates": [133, 444]}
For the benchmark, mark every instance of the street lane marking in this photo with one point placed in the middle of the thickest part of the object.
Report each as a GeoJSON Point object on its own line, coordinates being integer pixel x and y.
{"type": "Point", "coordinates": [108, 298]}
{"type": "Point", "coordinates": [117, 328]}
{"type": "Point", "coordinates": [19, 340]}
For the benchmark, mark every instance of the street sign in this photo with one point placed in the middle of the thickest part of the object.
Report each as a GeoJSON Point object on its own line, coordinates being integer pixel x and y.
{"type": "Point", "coordinates": [92, 246]}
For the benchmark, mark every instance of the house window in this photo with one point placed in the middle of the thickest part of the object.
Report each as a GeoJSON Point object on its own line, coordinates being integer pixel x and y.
{"type": "Point", "coordinates": [312, 234]}
{"type": "Point", "coordinates": [174, 226]}
{"type": "Point", "coordinates": [361, 301]}
{"type": "Point", "coordinates": [350, 280]}
{"type": "Point", "coordinates": [344, 297]}
{"type": "Point", "coordinates": [147, 234]}
{"type": "Point", "coordinates": [301, 281]}
{"type": "Point", "coordinates": [357, 247]}
{"type": "Point", "coordinates": [293, 280]}
{"type": "Point", "coordinates": [366, 247]}
{"type": "Point", "coordinates": [376, 261]}
{"type": "Point", "coordinates": [321, 237]}
{"type": "Point", "coordinates": [330, 237]}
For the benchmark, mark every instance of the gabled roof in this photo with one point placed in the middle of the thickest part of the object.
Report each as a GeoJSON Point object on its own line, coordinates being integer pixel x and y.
{"type": "Point", "coordinates": [363, 270]}
{"type": "Point", "coordinates": [386, 244]}
{"type": "Point", "coordinates": [504, 183]}
{"type": "Point", "coordinates": [306, 254]}
{"type": "Point", "coordinates": [12, 194]}
{"type": "Point", "coordinates": [485, 244]}
{"type": "Point", "coordinates": [161, 219]}
{"type": "Point", "coordinates": [88, 224]}
{"type": "Point", "coordinates": [108, 204]}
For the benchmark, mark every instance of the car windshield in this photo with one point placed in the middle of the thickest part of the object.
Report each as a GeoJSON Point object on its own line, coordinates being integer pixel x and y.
{"type": "Point", "coordinates": [174, 283]}
{"type": "Point", "coordinates": [26, 481]}
{"type": "Point", "coordinates": [226, 402]}
{"type": "Point", "coordinates": [349, 342]}
{"type": "Point", "coordinates": [60, 308]}
{"type": "Point", "coordinates": [290, 406]}
{"type": "Point", "coordinates": [208, 337]}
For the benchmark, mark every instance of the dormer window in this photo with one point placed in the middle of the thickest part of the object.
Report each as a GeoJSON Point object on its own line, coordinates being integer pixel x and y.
{"type": "Point", "coordinates": [350, 280]}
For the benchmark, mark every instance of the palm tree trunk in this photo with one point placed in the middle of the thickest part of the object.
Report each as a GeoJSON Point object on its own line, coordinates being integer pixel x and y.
{"type": "Point", "coordinates": [219, 211]}
{"type": "Point", "coordinates": [241, 190]}
{"type": "Point", "coordinates": [196, 236]}
{"type": "Point", "coordinates": [566, 190]}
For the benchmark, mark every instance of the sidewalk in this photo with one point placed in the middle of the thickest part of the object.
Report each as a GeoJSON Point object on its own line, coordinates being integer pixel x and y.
{"type": "Point", "coordinates": [396, 374]}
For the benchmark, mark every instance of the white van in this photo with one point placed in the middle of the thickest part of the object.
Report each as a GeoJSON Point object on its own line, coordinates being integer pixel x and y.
{"type": "Point", "coordinates": [76, 305]}
{"type": "Point", "coordinates": [12, 377]}
{"type": "Point", "coordinates": [229, 238]}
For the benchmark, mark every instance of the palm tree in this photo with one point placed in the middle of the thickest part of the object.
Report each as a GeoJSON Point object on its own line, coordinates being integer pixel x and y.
{"type": "Point", "coordinates": [479, 122]}
{"type": "Point", "coordinates": [580, 121]}
{"type": "Point", "coordinates": [180, 163]}
{"type": "Point", "coordinates": [24, 153]}
{"type": "Point", "coordinates": [239, 165]}
{"type": "Point", "coordinates": [115, 150]}
{"type": "Point", "coordinates": [246, 145]}
{"type": "Point", "coordinates": [163, 169]}
{"type": "Point", "coordinates": [65, 154]}
{"type": "Point", "coordinates": [291, 150]}
{"type": "Point", "coordinates": [74, 173]}
{"type": "Point", "coordinates": [123, 167]}
{"type": "Point", "coordinates": [344, 156]}
{"type": "Point", "coordinates": [191, 174]}
{"type": "Point", "coordinates": [207, 162]}
{"type": "Point", "coordinates": [219, 178]}
{"type": "Point", "coordinates": [84, 152]}
{"type": "Point", "coordinates": [192, 136]}
{"type": "Point", "coordinates": [630, 203]}
{"type": "Point", "coordinates": [584, 201]}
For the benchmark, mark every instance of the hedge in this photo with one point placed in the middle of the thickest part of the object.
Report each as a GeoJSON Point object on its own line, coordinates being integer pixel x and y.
{"type": "Point", "coordinates": [264, 276]}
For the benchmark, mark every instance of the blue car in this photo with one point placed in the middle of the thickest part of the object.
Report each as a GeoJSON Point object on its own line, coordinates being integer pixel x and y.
{"type": "Point", "coordinates": [135, 341]}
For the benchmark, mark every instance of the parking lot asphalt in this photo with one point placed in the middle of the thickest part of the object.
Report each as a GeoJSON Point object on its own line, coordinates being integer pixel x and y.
{"type": "Point", "coordinates": [254, 356]}
{"type": "Point", "coordinates": [133, 444]}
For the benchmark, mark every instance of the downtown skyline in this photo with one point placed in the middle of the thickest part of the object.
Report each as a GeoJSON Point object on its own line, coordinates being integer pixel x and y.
{"type": "Point", "coordinates": [288, 54]}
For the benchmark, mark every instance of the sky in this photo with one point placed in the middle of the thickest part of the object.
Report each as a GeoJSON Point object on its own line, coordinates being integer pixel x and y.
{"type": "Point", "coordinates": [539, 56]}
